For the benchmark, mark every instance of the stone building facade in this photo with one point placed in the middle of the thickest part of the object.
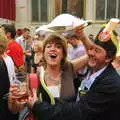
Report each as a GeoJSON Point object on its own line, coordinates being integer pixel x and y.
{"type": "Point", "coordinates": [33, 13]}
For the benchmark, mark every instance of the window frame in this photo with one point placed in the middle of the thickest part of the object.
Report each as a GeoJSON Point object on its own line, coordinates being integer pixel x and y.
{"type": "Point", "coordinates": [39, 13]}
{"type": "Point", "coordinates": [105, 12]}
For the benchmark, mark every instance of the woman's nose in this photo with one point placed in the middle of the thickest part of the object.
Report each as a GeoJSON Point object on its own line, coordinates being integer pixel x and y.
{"type": "Point", "coordinates": [53, 47]}
{"type": "Point", "coordinates": [91, 52]}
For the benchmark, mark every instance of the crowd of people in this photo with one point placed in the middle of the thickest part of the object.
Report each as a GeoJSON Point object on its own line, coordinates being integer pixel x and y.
{"type": "Point", "coordinates": [77, 75]}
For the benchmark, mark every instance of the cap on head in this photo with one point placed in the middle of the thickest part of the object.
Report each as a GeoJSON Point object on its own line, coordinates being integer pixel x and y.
{"type": "Point", "coordinates": [108, 45]}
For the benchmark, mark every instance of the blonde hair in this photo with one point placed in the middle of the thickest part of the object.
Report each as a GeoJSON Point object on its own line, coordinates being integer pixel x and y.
{"type": "Point", "coordinates": [39, 45]}
{"type": "Point", "coordinates": [2, 32]}
{"type": "Point", "coordinates": [60, 40]}
{"type": "Point", "coordinates": [3, 43]}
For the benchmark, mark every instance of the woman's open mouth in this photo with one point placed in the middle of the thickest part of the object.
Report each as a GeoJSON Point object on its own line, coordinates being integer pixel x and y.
{"type": "Point", "coordinates": [53, 56]}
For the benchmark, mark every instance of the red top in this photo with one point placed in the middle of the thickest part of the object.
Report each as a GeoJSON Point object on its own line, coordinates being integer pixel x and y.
{"type": "Point", "coordinates": [15, 51]}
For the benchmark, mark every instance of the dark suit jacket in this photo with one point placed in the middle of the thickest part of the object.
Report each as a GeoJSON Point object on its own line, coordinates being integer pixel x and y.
{"type": "Point", "coordinates": [5, 114]}
{"type": "Point", "coordinates": [102, 102]}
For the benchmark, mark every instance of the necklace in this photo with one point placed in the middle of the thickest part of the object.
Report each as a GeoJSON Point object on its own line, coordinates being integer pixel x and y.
{"type": "Point", "coordinates": [50, 80]}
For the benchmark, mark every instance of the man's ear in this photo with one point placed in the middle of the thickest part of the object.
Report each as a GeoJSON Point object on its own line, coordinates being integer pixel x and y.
{"type": "Point", "coordinates": [8, 33]}
{"type": "Point", "coordinates": [108, 59]}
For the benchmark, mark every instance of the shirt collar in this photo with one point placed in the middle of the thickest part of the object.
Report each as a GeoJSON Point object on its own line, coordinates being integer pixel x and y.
{"type": "Point", "coordinates": [90, 78]}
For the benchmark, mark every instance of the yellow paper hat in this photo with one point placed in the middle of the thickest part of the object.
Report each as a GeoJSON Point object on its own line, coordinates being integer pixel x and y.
{"type": "Point", "coordinates": [110, 45]}
{"type": "Point", "coordinates": [113, 36]}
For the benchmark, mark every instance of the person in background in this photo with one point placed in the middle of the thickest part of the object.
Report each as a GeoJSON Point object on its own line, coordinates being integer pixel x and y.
{"type": "Point", "coordinates": [37, 56]}
{"type": "Point", "coordinates": [7, 76]}
{"type": "Point", "coordinates": [2, 32]}
{"type": "Point", "coordinates": [91, 37]}
{"type": "Point", "coordinates": [77, 48]}
{"type": "Point", "coordinates": [23, 41]}
{"type": "Point", "coordinates": [28, 54]}
{"type": "Point", "coordinates": [99, 93]}
{"type": "Point", "coordinates": [14, 50]}
{"type": "Point", "coordinates": [19, 32]}
{"type": "Point", "coordinates": [116, 63]}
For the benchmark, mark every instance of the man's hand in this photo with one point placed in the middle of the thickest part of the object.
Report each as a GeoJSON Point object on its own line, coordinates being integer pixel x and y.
{"type": "Point", "coordinates": [80, 32]}
{"type": "Point", "coordinates": [83, 37]}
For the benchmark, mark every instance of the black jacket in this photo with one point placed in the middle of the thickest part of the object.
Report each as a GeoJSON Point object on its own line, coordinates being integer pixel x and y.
{"type": "Point", "coordinates": [102, 102]}
{"type": "Point", "coordinates": [5, 114]}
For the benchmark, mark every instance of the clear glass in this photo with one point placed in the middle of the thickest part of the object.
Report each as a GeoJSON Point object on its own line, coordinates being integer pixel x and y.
{"type": "Point", "coordinates": [19, 89]}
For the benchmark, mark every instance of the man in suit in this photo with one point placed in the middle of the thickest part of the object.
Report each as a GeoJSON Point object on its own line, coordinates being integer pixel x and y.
{"type": "Point", "coordinates": [99, 92]}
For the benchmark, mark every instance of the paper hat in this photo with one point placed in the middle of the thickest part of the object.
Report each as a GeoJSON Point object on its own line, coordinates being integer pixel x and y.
{"type": "Point", "coordinates": [62, 23]}
{"type": "Point", "coordinates": [110, 45]}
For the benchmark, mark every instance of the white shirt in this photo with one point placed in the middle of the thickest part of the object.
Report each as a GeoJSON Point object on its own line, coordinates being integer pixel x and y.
{"type": "Point", "coordinates": [74, 53]}
{"type": "Point", "coordinates": [10, 67]}
{"type": "Point", "coordinates": [54, 90]}
{"type": "Point", "coordinates": [20, 40]}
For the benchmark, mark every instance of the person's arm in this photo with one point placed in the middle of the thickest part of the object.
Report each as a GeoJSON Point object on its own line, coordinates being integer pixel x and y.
{"type": "Point", "coordinates": [83, 37]}
{"type": "Point", "coordinates": [82, 61]}
{"type": "Point", "coordinates": [79, 63]}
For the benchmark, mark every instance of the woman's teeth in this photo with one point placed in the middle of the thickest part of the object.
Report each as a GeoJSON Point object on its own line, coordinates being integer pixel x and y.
{"type": "Point", "coordinates": [53, 55]}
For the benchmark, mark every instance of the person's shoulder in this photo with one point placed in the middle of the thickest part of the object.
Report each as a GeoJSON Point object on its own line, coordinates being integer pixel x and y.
{"type": "Point", "coordinates": [13, 44]}
{"type": "Point", "coordinates": [14, 47]}
{"type": "Point", "coordinates": [9, 58]}
{"type": "Point", "coordinates": [112, 76]}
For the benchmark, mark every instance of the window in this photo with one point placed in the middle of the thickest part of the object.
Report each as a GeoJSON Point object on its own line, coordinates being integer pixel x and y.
{"type": "Point", "coordinates": [106, 9]}
{"type": "Point", "coordinates": [39, 10]}
{"type": "Point", "coordinates": [74, 7]}
{"type": "Point", "coordinates": [64, 6]}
